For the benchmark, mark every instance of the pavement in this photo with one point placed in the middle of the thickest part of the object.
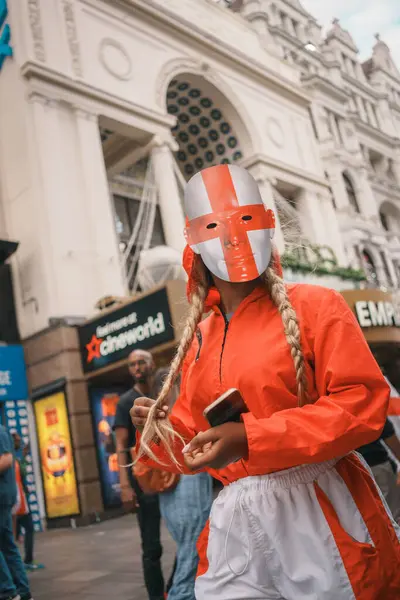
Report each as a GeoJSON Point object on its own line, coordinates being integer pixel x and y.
{"type": "Point", "coordinates": [98, 562]}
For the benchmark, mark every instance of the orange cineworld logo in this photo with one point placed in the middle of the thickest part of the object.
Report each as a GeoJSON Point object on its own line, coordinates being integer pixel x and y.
{"type": "Point", "coordinates": [93, 348]}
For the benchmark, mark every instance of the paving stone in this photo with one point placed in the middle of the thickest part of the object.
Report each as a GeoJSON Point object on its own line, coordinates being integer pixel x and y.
{"type": "Point", "coordinates": [100, 562]}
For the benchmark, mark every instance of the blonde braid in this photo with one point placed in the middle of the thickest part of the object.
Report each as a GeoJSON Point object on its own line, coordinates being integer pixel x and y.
{"type": "Point", "coordinates": [280, 298]}
{"type": "Point", "coordinates": [160, 430]}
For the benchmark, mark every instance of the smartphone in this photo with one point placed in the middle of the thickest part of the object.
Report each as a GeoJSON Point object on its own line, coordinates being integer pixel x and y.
{"type": "Point", "coordinates": [226, 409]}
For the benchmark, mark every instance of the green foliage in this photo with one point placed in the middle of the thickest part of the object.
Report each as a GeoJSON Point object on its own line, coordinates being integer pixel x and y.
{"type": "Point", "coordinates": [321, 267]}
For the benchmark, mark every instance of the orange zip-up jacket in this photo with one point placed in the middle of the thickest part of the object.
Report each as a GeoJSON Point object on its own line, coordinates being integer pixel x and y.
{"type": "Point", "coordinates": [348, 392]}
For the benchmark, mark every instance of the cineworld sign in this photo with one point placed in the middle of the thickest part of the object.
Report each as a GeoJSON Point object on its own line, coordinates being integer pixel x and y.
{"type": "Point", "coordinates": [377, 314]}
{"type": "Point", "coordinates": [145, 323]}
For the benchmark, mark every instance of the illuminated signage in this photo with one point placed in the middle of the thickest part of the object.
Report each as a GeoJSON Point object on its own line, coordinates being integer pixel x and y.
{"type": "Point", "coordinates": [143, 324]}
{"type": "Point", "coordinates": [13, 382]}
{"type": "Point", "coordinates": [54, 437]}
{"type": "Point", "coordinates": [377, 314]}
{"type": "Point", "coordinates": [5, 33]}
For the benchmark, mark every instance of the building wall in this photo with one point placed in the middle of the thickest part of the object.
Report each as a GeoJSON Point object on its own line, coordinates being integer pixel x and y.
{"type": "Point", "coordinates": [82, 64]}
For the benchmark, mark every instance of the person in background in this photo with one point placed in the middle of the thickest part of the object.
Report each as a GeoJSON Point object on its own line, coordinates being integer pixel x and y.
{"type": "Point", "coordinates": [14, 584]}
{"type": "Point", "coordinates": [24, 517]}
{"type": "Point", "coordinates": [384, 469]}
{"type": "Point", "coordinates": [185, 510]}
{"type": "Point", "coordinates": [141, 368]}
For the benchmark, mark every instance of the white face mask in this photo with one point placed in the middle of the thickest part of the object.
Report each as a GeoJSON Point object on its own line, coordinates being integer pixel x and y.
{"type": "Point", "coordinates": [228, 224]}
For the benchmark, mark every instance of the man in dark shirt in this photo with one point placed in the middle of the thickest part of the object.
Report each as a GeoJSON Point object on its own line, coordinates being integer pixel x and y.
{"type": "Point", "coordinates": [141, 368]}
{"type": "Point", "coordinates": [384, 470]}
{"type": "Point", "coordinates": [13, 579]}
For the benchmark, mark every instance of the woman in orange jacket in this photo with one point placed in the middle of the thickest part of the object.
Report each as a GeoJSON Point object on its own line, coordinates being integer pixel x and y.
{"type": "Point", "coordinates": [300, 516]}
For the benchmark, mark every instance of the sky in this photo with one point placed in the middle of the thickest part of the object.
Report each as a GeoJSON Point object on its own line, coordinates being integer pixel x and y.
{"type": "Point", "coordinates": [362, 18]}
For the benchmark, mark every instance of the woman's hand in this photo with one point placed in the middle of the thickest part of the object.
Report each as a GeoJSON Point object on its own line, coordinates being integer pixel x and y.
{"type": "Point", "coordinates": [140, 410]}
{"type": "Point", "coordinates": [217, 447]}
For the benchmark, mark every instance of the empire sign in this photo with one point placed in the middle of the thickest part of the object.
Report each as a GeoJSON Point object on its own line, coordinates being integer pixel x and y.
{"type": "Point", "coordinates": [144, 324]}
{"type": "Point", "coordinates": [377, 314]}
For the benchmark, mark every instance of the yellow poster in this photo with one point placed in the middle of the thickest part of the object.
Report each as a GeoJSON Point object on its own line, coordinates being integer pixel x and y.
{"type": "Point", "coordinates": [59, 480]}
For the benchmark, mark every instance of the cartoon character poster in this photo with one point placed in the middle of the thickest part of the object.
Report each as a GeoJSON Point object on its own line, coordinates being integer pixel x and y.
{"type": "Point", "coordinates": [104, 405]}
{"type": "Point", "coordinates": [58, 469]}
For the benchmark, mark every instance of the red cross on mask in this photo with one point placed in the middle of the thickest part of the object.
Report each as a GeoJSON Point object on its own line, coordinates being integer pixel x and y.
{"type": "Point", "coordinates": [228, 224]}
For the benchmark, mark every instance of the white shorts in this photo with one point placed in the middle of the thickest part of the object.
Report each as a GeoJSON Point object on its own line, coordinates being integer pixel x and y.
{"type": "Point", "coordinates": [314, 532]}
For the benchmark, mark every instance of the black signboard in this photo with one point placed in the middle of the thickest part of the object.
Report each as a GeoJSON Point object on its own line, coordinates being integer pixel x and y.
{"type": "Point", "coordinates": [144, 324]}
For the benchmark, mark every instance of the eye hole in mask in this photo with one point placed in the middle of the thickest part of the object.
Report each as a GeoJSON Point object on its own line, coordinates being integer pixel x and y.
{"type": "Point", "coordinates": [247, 218]}
{"type": "Point", "coordinates": [211, 226]}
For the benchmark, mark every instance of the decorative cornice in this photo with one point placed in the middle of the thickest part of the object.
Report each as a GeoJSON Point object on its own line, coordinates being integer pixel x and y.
{"type": "Point", "coordinates": [35, 97]}
{"type": "Point", "coordinates": [304, 178]}
{"type": "Point", "coordinates": [61, 87]}
{"type": "Point", "coordinates": [362, 86]}
{"type": "Point", "coordinates": [325, 86]}
{"type": "Point", "coordinates": [84, 114]}
{"type": "Point", "coordinates": [72, 37]}
{"type": "Point", "coordinates": [374, 133]}
{"type": "Point", "coordinates": [257, 69]}
{"type": "Point", "coordinates": [35, 22]}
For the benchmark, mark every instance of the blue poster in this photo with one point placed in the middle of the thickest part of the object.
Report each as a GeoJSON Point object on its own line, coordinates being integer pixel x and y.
{"type": "Point", "coordinates": [16, 421]}
{"type": "Point", "coordinates": [13, 382]}
{"type": "Point", "coordinates": [104, 405]}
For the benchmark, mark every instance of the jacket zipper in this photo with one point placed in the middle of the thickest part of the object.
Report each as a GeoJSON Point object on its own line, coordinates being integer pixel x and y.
{"type": "Point", "coordinates": [223, 346]}
{"type": "Point", "coordinates": [200, 342]}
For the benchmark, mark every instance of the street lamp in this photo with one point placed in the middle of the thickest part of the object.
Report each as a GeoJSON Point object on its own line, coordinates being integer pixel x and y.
{"type": "Point", "coordinates": [310, 47]}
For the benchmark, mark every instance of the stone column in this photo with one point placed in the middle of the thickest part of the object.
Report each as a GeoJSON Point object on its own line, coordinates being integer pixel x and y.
{"type": "Point", "coordinates": [321, 118]}
{"type": "Point", "coordinates": [337, 185]}
{"type": "Point", "coordinates": [371, 115]}
{"type": "Point", "coordinates": [385, 116]}
{"type": "Point", "coordinates": [74, 253]}
{"type": "Point", "coordinates": [334, 236]}
{"type": "Point", "coordinates": [319, 222]}
{"type": "Point", "coordinates": [361, 108]}
{"type": "Point", "coordinates": [365, 196]}
{"type": "Point", "coordinates": [313, 224]}
{"type": "Point", "coordinates": [169, 195]}
{"type": "Point", "coordinates": [98, 202]}
{"type": "Point", "coordinates": [61, 278]}
{"type": "Point", "coordinates": [396, 166]}
{"type": "Point", "coordinates": [265, 183]}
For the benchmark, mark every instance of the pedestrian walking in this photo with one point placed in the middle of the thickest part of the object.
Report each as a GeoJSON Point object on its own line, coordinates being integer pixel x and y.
{"type": "Point", "coordinates": [300, 515]}
{"type": "Point", "coordinates": [24, 521]}
{"type": "Point", "coordinates": [14, 584]}
{"type": "Point", "coordinates": [141, 368]}
{"type": "Point", "coordinates": [185, 510]}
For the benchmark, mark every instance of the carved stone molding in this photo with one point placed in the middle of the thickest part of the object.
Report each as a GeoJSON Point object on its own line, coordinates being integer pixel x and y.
{"type": "Point", "coordinates": [115, 59]}
{"type": "Point", "coordinates": [84, 114]}
{"type": "Point", "coordinates": [35, 22]}
{"type": "Point", "coordinates": [35, 97]}
{"type": "Point", "coordinates": [72, 37]}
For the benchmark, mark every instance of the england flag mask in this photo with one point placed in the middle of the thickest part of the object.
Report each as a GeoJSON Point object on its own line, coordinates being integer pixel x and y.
{"type": "Point", "coordinates": [228, 224]}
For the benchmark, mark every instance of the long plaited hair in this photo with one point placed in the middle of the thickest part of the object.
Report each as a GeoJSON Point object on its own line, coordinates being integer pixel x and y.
{"type": "Point", "coordinates": [160, 430]}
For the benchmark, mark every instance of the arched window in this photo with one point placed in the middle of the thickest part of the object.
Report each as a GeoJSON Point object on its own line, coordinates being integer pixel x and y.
{"type": "Point", "coordinates": [351, 195]}
{"type": "Point", "coordinates": [384, 220]}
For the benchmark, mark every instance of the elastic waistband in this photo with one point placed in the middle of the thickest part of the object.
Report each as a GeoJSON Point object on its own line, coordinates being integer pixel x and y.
{"type": "Point", "coordinates": [286, 478]}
